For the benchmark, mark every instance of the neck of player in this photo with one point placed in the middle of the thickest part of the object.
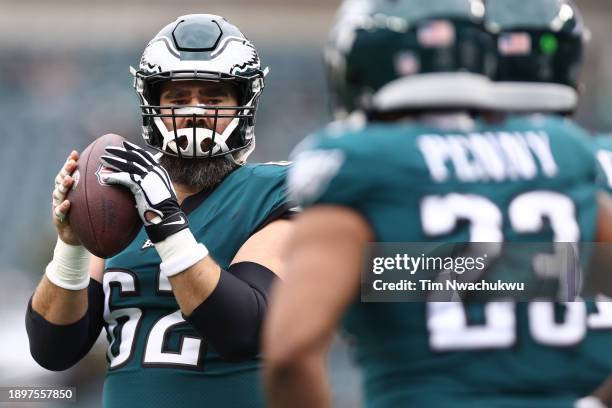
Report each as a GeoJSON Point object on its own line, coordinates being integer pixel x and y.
{"type": "Point", "coordinates": [183, 191]}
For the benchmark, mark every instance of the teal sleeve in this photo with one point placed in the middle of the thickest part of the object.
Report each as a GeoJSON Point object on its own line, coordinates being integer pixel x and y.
{"type": "Point", "coordinates": [602, 150]}
{"type": "Point", "coordinates": [269, 191]}
{"type": "Point", "coordinates": [330, 170]}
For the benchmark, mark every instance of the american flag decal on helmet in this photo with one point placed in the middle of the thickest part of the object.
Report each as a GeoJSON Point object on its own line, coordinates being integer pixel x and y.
{"type": "Point", "coordinates": [436, 34]}
{"type": "Point", "coordinates": [514, 44]}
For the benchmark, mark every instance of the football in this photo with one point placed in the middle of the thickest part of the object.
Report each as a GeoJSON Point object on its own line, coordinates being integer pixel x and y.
{"type": "Point", "coordinates": [103, 216]}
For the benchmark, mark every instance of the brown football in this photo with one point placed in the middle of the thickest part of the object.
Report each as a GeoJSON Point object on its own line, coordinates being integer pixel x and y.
{"type": "Point", "coordinates": [103, 216]}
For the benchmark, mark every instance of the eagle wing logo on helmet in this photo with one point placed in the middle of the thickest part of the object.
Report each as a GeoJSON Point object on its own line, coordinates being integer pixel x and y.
{"type": "Point", "coordinates": [234, 55]}
{"type": "Point", "coordinates": [252, 63]}
{"type": "Point", "coordinates": [151, 68]}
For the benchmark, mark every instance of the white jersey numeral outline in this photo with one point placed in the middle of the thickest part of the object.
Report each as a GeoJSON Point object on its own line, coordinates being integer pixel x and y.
{"type": "Point", "coordinates": [447, 321]}
{"type": "Point", "coordinates": [123, 334]}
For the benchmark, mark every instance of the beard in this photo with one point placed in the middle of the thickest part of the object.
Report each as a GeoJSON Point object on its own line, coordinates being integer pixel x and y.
{"type": "Point", "coordinates": [203, 174]}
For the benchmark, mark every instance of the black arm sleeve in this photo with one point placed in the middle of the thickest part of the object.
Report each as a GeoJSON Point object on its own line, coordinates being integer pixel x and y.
{"type": "Point", "coordinates": [230, 318]}
{"type": "Point", "coordinates": [59, 347]}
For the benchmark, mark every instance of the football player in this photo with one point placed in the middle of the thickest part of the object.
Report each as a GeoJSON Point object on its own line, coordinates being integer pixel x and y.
{"type": "Point", "coordinates": [182, 305]}
{"type": "Point", "coordinates": [421, 170]}
{"type": "Point", "coordinates": [540, 50]}
{"type": "Point", "coordinates": [540, 55]}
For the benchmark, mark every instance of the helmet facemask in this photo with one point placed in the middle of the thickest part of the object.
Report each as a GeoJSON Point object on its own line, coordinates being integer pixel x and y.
{"type": "Point", "coordinates": [196, 141]}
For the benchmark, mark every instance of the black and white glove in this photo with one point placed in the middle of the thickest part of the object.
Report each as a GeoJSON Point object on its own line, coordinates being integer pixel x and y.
{"type": "Point", "coordinates": [137, 169]}
{"type": "Point", "coordinates": [165, 223]}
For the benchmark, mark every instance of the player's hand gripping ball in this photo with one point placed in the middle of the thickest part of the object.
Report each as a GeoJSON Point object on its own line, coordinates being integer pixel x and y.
{"type": "Point", "coordinates": [156, 200]}
{"type": "Point", "coordinates": [103, 216]}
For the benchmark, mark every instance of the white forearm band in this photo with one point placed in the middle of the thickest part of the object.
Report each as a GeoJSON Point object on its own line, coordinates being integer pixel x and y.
{"type": "Point", "coordinates": [179, 251]}
{"type": "Point", "coordinates": [69, 268]}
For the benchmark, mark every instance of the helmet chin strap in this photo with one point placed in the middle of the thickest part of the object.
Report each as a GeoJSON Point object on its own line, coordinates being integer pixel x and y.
{"type": "Point", "coordinates": [201, 134]}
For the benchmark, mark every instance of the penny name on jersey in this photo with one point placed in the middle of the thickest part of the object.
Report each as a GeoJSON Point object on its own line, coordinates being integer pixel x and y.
{"type": "Point", "coordinates": [488, 156]}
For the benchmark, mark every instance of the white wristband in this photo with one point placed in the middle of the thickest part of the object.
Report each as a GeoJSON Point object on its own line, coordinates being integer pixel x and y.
{"type": "Point", "coordinates": [69, 268]}
{"type": "Point", "coordinates": [179, 251]}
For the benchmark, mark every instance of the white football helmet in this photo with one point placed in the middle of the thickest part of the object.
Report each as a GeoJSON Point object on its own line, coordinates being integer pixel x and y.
{"type": "Point", "coordinates": [200, 47]}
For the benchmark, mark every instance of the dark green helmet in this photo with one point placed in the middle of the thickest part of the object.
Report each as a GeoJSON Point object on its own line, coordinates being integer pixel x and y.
{"type": "Point", "coordinates": [540, 51]}
{"type": "Point", "coordinates": [397, 55]}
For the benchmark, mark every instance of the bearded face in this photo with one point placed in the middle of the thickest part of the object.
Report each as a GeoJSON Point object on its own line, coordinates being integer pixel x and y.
{"type": "Point", "coordinates": [203, 174]}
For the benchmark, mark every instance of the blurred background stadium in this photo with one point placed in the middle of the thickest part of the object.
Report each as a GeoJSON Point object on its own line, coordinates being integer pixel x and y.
{"type": "Point", "coordinates": [64, 81]}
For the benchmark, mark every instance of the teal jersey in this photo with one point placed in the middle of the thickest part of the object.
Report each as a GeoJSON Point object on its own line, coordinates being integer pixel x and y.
{"type": "Point", "coordinates": [602, 146]}
{"type": "Point", "coordinates": [156, 359]}
{"type": "Point", "coordinates": [530, 179]}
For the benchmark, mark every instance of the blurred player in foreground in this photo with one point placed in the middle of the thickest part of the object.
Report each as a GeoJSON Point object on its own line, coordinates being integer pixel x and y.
{"type": "Point", "coordinates": [421, 169]}
{"type": "Point", "coordinates": [183, 304]}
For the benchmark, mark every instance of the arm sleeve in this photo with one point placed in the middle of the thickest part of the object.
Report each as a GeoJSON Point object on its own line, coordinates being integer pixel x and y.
{"type": "Point", "coordinates": [602, 149]}
{"type": "Point", "coordinates": [59, 347]}
{"type": "Point", "coordinates": [230, 318]}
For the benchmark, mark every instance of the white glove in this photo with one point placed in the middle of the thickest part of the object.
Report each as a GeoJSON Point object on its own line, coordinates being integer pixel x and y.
{"type": "Point", "coordinates": [150, 183]}
{"type": "Point", "coordinates": [168, 229]}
